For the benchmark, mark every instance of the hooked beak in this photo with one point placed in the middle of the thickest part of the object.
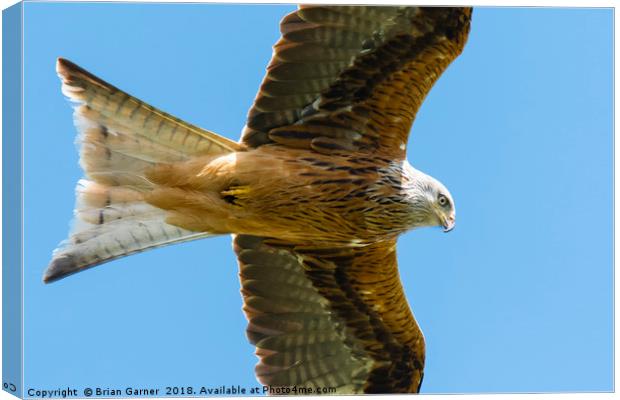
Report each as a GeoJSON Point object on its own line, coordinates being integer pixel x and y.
{"type": "Point", "coordinates": [448, 223]}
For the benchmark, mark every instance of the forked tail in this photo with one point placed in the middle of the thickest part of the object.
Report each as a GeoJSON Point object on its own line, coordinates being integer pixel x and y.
{"type": "Point", "coordinates": [120, 137]}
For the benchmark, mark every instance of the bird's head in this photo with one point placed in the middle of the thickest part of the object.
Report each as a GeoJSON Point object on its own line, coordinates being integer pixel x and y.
{"type": "Point", "coordinates": [431, 201]}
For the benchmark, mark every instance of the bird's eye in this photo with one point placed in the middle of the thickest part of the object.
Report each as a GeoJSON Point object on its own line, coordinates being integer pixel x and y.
{"type": "Point", "coordinates": [442, 200]}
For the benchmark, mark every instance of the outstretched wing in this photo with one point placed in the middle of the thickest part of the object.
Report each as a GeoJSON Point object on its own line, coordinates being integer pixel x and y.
{"type": "Point", "coordinates": [353, 77]}
{"type": "Point", "coordinates": [329, 318]}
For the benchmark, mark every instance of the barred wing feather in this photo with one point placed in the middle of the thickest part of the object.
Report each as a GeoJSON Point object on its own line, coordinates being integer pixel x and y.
{"type": "Point", "coordinates": [351, 78]}
{"type": "Point", "coordinates": [329, 318]}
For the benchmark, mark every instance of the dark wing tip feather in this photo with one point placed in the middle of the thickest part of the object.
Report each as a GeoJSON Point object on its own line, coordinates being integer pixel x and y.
{"type": "Point", "coordinates": [62, 65]}
{"type": "Point", "coordinates": [68, 71]}
{"type": "Point", "coordinates": [61, 267]}
{"type": "Point", "coordinates": [67, 264]}
{"type": "Point", "coordinates": [75, 76]}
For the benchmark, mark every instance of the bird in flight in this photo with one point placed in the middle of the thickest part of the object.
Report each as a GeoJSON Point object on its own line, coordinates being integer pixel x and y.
{"type": "Point", "coordinates": [315, 193]}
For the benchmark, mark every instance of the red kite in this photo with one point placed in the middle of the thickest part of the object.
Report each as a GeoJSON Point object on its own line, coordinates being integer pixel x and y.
{"type": "Point", "coordinates": [315, 193]}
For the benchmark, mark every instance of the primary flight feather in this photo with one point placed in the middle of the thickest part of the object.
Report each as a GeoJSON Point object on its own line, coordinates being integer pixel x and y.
{"type": "Point", "coordinates": [315, 193]}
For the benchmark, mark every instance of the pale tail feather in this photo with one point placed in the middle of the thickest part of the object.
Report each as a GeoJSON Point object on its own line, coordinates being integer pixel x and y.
{"type": "Point", "coordinates": [120, 137]}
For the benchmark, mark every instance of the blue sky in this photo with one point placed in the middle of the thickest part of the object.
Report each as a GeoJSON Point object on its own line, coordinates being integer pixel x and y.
{"type": "Point", "coordinates": [518, 298]}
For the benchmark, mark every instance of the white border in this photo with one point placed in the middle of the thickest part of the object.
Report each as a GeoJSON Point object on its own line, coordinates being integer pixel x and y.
{"type": "Point", "coordinates": [544, 3]}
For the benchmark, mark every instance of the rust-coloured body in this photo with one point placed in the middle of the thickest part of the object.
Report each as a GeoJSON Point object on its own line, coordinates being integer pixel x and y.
{"type": "Point", "coordinates": [296, 195]}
